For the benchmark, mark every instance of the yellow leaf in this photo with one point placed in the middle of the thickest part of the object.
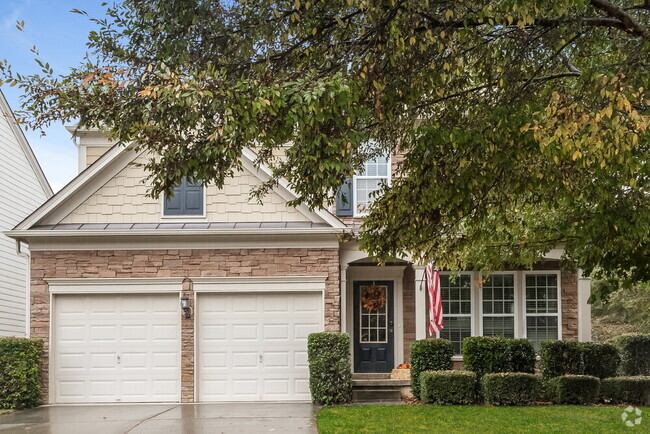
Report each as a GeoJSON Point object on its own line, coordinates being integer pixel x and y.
{"type": "Point", "coordinates": [339, 21]}
{"type": "Point", "coordinates": [576, 155]}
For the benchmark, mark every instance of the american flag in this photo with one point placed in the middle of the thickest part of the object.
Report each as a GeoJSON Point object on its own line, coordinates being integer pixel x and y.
{"type": "Point", "coordinates": [436, 322]}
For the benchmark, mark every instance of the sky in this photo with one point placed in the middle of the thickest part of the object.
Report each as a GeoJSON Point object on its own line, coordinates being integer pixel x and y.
{"type": "Point", "coordinates": [60, 37]}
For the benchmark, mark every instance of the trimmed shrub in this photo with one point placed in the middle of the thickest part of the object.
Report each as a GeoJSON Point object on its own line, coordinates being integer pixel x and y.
{"type": "Point", "coordinates": [510, 388]}
{"type": "Point", "coordinates": [626, 390]}
{"type": "Point", "coordinates": [635, 354]}
{"type": "Point", "coordinates": [20, 372]}
{"type": "Point", "coordinates": [486, 355]}
{"type": "Point", "coordinates": [561, 358]}
{"type": "Point", "coordinates": [574, 389]}
{"type": "Point", "coordinates": [448, 387]}
{"type": "Point", "coordinates": [522, 356]}
{"type": "Point", "coordinates": [330, 374]}
{"type": "Point", "coordinates": [493, 354]}
{"type": "Point", "coordinates": [429, 355]}
{"type": "Point", "coordinates": [599, 360]}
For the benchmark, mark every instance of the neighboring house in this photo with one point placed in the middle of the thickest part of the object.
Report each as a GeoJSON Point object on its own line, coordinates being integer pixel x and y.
{"type": "Point", "coordinates": [23, 188]}
{"type": "Point", "coordinates": [209, 297]}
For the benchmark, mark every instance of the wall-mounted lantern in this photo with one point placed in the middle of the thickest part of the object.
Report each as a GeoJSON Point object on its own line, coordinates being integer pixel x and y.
{"type": "Point", "coordinates": [185, 306]}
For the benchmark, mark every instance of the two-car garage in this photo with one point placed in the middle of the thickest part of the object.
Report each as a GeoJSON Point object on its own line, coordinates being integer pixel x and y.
{"type": "Point", "coordinates": [120, 340]}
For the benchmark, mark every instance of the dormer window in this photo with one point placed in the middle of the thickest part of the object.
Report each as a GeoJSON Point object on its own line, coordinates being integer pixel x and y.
{"type": "Point", "coordinates": [186, 201]}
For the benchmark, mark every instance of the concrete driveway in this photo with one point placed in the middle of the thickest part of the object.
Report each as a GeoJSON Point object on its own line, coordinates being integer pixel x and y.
{"type": "Point", "coordinates": [164, 418]}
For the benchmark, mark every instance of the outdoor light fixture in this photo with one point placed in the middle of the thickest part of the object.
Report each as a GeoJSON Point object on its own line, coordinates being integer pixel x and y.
{"type": "Point", "coordinates": [185, 305]}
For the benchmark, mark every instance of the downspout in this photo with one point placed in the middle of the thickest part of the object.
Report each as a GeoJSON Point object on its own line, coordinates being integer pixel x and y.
{"type": "Point", "coordinates": [28, 311]}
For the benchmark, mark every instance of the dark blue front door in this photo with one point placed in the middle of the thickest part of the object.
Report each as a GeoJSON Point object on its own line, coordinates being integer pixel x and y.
{"type": "Point", "coordinates": [373, 326]}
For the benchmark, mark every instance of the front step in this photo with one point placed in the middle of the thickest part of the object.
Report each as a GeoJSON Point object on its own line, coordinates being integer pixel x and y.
{"type": "Point", "coordinates": [378, 387]}
{"type": "Point", "coordinates": [376, 394]}
{"type": "Point", "coordinates": [368, 383]}
{"type": "Point", "coordinates": [371, 376]}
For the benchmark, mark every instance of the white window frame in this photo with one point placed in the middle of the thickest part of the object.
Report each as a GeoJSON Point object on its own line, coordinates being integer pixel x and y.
{"type": "Point", "coordinates": [517, 303]}
{"type": "Point", "coordinates": [473, 306]}
{"type": "Point", "coordinates": [525, 315]}
{"type": "Point", "coordinates": [187, 218]}
{"type": "Point", "coordinates": [355, 211]}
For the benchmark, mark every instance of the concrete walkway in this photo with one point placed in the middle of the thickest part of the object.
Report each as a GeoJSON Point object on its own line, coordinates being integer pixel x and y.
{"type": "Point", "coordinates": [164, 418]}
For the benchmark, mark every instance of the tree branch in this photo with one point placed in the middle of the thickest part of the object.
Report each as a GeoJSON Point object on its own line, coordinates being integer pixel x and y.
{"type": "Point", "coordinates": [622, 16]}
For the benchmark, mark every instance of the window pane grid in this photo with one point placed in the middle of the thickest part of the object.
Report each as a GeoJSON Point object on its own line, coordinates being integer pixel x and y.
{"type": "Point", "coordinates": [369, 180]}
{"type": "Point", "coordinates": [374, 327]}
{"type": "Point", "coordinates": [456, 295]}
{"type": "Point", "coordinates": [542, 308]}
{"type": "Point", "coordinates": [498, 304]}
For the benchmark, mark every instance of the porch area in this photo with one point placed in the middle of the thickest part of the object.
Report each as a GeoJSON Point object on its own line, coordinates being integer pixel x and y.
{"type": "Point", "coordinates": [384, 309]}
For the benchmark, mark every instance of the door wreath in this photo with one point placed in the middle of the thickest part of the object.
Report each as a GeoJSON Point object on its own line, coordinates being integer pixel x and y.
{"type": "Point", "coordinates": [374, 298]}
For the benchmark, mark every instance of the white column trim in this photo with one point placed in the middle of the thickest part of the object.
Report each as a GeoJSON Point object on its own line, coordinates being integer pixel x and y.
{"type": "Point", "coordinates": [343, 276]}
{"type": "Point", "coordinates": [584, 308]}
{"type": "Point", "coordinates": [420, 303]}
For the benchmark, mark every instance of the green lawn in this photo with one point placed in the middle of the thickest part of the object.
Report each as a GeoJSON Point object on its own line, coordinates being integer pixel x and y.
{"type": "Point", "coordinates": [475, 419]}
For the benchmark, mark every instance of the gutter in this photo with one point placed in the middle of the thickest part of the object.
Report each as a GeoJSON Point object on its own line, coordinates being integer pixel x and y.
{"type": "Point", "coordinates": [19, 234]}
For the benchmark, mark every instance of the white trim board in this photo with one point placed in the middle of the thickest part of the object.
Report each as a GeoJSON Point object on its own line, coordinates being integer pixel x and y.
{"type": "Point", "coordinates": [260, 284]}
{"type": "Point", "coordinates": [183, 241]}
{"type": "Point", "coordinates": [118, 285]}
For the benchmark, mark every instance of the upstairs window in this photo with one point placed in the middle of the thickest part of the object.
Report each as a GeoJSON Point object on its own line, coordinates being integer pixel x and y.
{"type": "Point", "coordinates": [187, 200]}
{"type": "Point", "coordinates": [374, 172]}
{"type": "Point", "coordinates": [354, 195]}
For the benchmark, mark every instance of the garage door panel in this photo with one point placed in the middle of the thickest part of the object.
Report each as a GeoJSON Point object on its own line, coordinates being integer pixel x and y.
{"type": "Point", "coordinates": [116, 348]}
{"type": "Point", "coordinates": [234, 330]}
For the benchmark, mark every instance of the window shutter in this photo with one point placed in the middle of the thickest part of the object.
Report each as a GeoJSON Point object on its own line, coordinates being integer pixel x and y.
{"type": "Point", "coordinates": [193, 199]}
{"type": "Point", "coordinates": [187, 200]}
{"type": "Point", "coordinates": [345, 199]}
{"type": "Point", "coordinates": [174, 205]}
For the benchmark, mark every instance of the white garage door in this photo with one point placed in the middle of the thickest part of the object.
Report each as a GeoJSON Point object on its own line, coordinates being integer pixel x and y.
{"type": "Point", "coordinates": [253, 347]}
{"type": "Point", "coordinates": [116, 348]}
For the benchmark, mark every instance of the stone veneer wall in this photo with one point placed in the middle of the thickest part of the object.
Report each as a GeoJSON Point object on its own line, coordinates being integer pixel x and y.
{"type": "Point", "coordinates": [408, 287]}
{"type": "Point", "coordinates": [177, 263]}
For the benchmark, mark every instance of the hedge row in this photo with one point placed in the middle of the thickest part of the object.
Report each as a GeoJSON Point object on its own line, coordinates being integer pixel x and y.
{"type": "Point", "coordinates": [626, 390]}
{"type": "Point", "coordinates": [429, 355]}
{"type": "Point", "coordinates": [574, 389]}
{"type": "Point", "coordinates": [20, 372]}
{"type": "Point", "coordinates": [516, 388]}
{"type": "Point", "coordinates": [488, 355]}
{"type": "Point", "coordinates": [448, 387]}
{"type": "Point", "coordinates": [635, 354]}
{"type": "Point", "coordinates": [330, 374]}
{"type": "Point", "coordinates": [510, 388]}
{"type": "Point", "coordinates": [579, 358]}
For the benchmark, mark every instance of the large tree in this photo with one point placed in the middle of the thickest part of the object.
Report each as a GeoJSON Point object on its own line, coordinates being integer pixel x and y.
{"type": "Point", "coordinates": [521, 124]}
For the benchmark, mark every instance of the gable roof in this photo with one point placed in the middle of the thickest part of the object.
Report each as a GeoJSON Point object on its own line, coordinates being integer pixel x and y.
{"type": "Point", "coordinates": [117, 158]}
{"type": "Point", "coordinates": [6, 111]}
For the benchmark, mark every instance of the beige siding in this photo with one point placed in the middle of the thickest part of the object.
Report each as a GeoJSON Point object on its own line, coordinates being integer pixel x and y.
{"type": "Point", "coordinates": [124, 200]}
{"type": "Point", "coordinates": [20, 194]}
{"type": "Point", "coordinates": [93, 153]}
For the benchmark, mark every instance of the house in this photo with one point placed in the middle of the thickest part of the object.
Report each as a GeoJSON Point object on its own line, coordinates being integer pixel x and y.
{"type": "Point", "coordinates": [23, 188]}
{"type": "Point", "coordinates": [207, 296]}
